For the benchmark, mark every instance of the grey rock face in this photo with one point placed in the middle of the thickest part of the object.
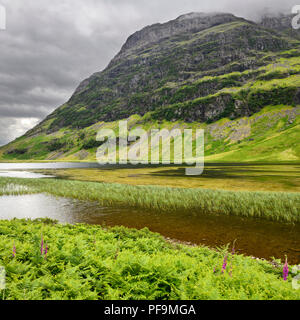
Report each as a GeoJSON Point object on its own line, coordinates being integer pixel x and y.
{"type": "Point", "coordinates": [155, 65]}
{"type": "Point", "coordinates": [280, 24]}
{"type": "Point", "coordinates": [191, 23]}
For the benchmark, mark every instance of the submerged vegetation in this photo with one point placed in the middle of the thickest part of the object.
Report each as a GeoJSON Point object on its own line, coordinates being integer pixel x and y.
{"type": "Point", "coordinates": [89, 262]}
{"type": "Point", "coordinates": [276, 206]}
{"type": "Point", "coordinates": [277, 177]}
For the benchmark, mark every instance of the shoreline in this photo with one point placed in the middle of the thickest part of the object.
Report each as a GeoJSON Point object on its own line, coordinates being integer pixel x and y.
{"type": "Point", "coordinates": [121, 263]}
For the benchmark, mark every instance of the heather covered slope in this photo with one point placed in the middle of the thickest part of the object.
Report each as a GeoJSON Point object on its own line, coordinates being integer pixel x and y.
{"type": "Point", "coordinates": [237, 79]}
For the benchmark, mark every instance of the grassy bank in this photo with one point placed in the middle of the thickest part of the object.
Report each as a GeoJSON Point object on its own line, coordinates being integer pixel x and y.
{"type": "Point", "coordinates": [88, 262]}
{"type": "Point", "coordinates": [274, 206]}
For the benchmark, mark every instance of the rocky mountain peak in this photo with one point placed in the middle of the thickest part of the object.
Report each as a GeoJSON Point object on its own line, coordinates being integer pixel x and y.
{"type": "Point", "coordinates": [192, 22]}
{"type": "Point", "coordinates": [277, 22]}
{"type": "Point", "coordinates": [199, 15]}
{"type": "Point", "coordinates": [280, 23]}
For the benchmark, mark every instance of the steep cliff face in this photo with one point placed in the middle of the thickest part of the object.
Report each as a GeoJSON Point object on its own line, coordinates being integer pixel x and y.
{"type": "Point", "coordinates": [174, 54]}
{"type": "Point", "coordinates": [197, 68]}
{"type": "Point", "coordinates": [190, 23]}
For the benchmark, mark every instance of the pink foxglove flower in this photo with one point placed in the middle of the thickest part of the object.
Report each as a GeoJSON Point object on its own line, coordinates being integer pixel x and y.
{"type": "Point", "coordinates": [285, 270]}
{"type": "Point", "coordinates": [224, 266]}
{"type": "Point", "coordinates": [14, 251]}
{"type": "Point", "coordinates": [45, 251]}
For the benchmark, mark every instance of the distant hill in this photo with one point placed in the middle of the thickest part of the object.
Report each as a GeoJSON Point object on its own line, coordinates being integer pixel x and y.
{"type": "Point", "coordinates": [238, 79]}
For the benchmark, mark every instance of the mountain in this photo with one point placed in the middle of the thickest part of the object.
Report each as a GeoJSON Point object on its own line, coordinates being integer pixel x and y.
{"type": "Point", "coordinates": [237, 79]}
{"type": "Point", "coordinates": [280, 23]}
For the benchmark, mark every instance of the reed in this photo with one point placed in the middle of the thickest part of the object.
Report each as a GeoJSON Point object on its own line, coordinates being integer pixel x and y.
{"type": "Point", "coordinates": [276, 206]}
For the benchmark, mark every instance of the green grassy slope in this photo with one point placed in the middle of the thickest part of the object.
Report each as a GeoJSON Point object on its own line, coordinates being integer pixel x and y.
{"type": "Point", "coordinates": [246, 99]}
{"type": "Point", "coordinates": [270, 135]}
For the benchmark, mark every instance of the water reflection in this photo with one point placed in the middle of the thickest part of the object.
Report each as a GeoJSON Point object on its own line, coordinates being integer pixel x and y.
{"type": "Point", "coordinates": [9, 169]}
{"type": "Point", "coordinates": [23, 174]}
{"type": "Point", "coordinates": [258, 238]}
{"type": "Point", "coordinates": [47, 165]}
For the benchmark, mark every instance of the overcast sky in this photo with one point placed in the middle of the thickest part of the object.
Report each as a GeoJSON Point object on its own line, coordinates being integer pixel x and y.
{"type": "Point", "coordinates": [49, 47]}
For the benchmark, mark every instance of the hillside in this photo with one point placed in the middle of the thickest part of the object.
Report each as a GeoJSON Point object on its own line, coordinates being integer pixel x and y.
{"type": "Point", "coordinates": [237, 79]}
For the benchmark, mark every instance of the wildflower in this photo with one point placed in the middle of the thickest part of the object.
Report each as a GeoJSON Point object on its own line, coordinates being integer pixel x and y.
{"type": "Point", "coordinates": [285, 270]}
{"type": "Point", "coordinates": [45, 251]}
{"type": "Point", "coordinates": [224, 263]}
{"type": "Point", "coordinates": [14, 251]}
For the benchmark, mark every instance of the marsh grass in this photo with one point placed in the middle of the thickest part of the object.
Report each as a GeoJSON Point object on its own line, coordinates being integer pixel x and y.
{"type": "Point", "coordinates": [276, 206]}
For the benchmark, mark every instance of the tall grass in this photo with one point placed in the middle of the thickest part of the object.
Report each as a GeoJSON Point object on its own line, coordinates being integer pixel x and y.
{"type": "Point", "coordinates": [276, 206]}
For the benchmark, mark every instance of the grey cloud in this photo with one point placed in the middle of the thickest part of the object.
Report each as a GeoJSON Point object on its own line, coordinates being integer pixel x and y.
{"type": "Point", "coordinates": [11, 127]}
{"type": "Point", "coordinates": [49, 47]}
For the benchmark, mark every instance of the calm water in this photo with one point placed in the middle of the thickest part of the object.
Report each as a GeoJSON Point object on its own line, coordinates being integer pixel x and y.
{"type": "Point", "coordinates": [47, 165]}
{"type": "Point", "coordinates": [18, 170]}
{"type": "Point", "coordinates": [23, 174]}
{"type": "Point", "coordinates": [258, 238]}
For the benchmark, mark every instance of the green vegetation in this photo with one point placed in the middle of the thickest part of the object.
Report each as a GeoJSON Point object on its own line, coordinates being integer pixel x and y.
{"type": "Point", "coordinates": [274, 206]}
{"type": "Point", "coordinates": [183, 81]}
{"type": "Point", "coordinates": [269, 135]}
{"type": "Point", "coordinates": [91, 263]}
{"type": "Point", "coordinates": [248, 101]}
{"type": "Point", "coordinates": [277, 177]}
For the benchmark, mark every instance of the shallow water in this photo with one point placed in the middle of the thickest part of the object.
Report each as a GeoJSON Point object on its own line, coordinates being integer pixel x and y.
{"type": "Point", "coordinates": [23, 174]}
{"type": "Point", "coordinates": [47, 165]}
{"type": "Point", "coordinates": [258, 238]}
{"type": "Point", "coordinates": [18, 170]}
